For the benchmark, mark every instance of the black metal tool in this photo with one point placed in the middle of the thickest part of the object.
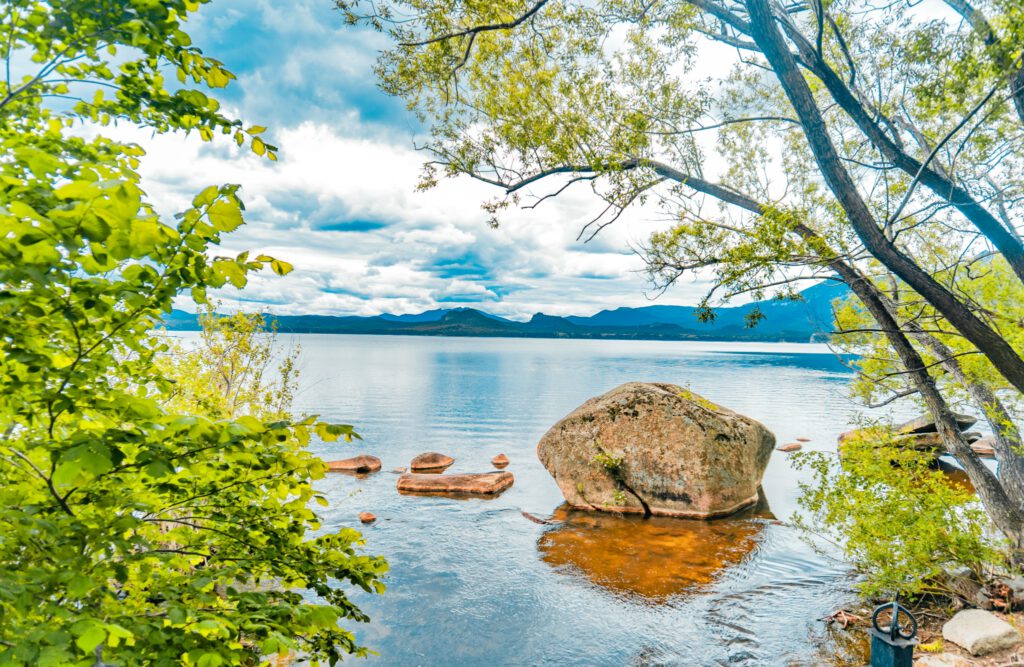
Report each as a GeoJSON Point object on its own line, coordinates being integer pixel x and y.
{"type": "Point", "coordinates": [893, 645]}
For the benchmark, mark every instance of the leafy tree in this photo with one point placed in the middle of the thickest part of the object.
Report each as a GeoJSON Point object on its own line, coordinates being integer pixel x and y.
{"type": "Point", "coordinates": [874, 143]}
{"type": "Point", "coordinates": [897, 519]}
{"type": "Point", "coordinates": [127, 528]}
{"type": "Point", "coordinates": [236, 368]}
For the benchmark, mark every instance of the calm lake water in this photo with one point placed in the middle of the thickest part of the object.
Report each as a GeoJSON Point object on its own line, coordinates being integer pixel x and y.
{"type": "Point", "coordinates": [473, 582]}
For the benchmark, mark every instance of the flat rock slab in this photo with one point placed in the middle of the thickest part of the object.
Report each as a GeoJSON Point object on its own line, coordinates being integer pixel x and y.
{"type": "Point", "coordinates": [470, 484]}
{"type": "Point", "coordinates": [357, 464]}
{"type": "Point", "coordinates": [926, 424]}
{"type": "Point", "coordinates": [985, 447]}
{"type": "Point", "coordinates": [980, 632]}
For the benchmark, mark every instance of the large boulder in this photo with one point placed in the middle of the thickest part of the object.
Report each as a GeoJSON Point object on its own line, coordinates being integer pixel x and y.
{"type": "Point", "coordinates": [980, 632]}
{"type": "Point", "coordinates": [660, 449]}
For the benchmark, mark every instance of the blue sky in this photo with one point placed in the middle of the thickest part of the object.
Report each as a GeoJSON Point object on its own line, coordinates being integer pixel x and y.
{"type": "Point", "coordinates": [341, 203]}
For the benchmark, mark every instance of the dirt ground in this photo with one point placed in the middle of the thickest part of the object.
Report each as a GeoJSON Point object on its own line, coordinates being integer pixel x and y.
{"type": "Point", "coordinates": [930, 636]}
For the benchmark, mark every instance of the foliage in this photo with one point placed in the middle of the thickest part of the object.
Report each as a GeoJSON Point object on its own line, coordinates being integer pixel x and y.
{"type": "Point", "coordinates": [990, 285]}
{"type": "Point", "coordinates": [156, 536]}
{"type": "Point", "coordinates": [613, 464]}
{"type": "Point", "coordinates": [236, 368]}
{"type": "Point", "coordinates": [901, 522]}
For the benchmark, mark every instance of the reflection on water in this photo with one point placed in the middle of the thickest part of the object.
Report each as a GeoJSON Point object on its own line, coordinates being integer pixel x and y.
{"type": "Point", "coordinates": [956, 476]}
{"type": "Point", "coordinates": [845, 647]}
{"type": "Point", "coordinates": [653, 558]}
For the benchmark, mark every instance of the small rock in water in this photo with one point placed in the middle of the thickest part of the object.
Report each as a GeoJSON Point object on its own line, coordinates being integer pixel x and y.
{"type": "Point", "coordinates": [499, 461]}
{"type": "Point", "coordinates": [791, 447]}
{"type": "Point", "coordinates": [980, 632]}
{"type": "Point", "coordinates": [431, 462]}
{"type": "Point", "coordinates": [363, 463]}
{"type": "Point", "coordinates": [400, 471]}
{"type": "Point", "coordinates": [803, 439]}
{"type": "Point", "coordinates": [367, 517]}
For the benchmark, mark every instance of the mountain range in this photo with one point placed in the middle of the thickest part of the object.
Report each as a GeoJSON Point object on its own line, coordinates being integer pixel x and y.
{"type": "Point", "coordinates": [809, 318]}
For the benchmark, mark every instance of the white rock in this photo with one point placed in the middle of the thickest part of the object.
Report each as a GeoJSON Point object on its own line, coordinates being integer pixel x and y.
{"type": "Point", "coordinates": [942, 660]}
{"type": "Point", "coordinates": [980, 632]}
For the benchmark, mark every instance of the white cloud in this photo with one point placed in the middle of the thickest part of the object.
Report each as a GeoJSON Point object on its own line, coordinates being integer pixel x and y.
{"type": "Point", "coordinates": [342, 206]}
{"type": "Point", "coordinates": [415, 250]}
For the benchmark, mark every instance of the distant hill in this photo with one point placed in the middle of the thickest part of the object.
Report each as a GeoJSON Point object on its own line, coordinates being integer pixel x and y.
{"type": "Point", "coordinates": [799, 321]}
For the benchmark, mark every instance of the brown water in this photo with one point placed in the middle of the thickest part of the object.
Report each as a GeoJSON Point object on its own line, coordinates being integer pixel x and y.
{"type": "Point", "coordinates": [473, 582]}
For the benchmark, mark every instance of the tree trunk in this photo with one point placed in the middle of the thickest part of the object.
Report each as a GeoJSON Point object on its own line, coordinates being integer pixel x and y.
{"type": "Point", "coordinates": [988, 341]}
{"type": "Point", "coordinates": [1007, 436]}
{"type": "Point", "coordinates": [1005, 511]}
{"type": "Point", "coordinates": [1007, 515]}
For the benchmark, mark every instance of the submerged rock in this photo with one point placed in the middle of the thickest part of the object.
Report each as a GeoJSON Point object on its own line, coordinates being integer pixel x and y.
{"type": "Point", "coordinates": [657, 449]}
{"type": "Point", "coordinates": [499, 461]}
{"type": "Point", "coordinates": [980, 632]}
{"type": "Point", "coordinates": [430, 462]}
{"type": "Point", "coordinates": [926, 424]}
{"type": "Point", "coordinates": [542, 521]}
{"type": "Point", "coordinates": [363, 463]}
{"type": "Point", "coordinates": [471, 484]}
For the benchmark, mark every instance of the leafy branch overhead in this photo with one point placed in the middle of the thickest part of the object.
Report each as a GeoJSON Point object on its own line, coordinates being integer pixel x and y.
{"type": "Point", "coordinates": [139, 518]}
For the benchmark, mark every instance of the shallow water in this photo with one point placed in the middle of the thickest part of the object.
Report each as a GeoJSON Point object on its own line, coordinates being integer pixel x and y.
{"type": "Point", "coordinates": [473, 582]}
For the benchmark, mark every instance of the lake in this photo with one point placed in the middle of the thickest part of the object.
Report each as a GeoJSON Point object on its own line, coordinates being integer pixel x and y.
{"type": "Point", "coordinates": [473, 582]}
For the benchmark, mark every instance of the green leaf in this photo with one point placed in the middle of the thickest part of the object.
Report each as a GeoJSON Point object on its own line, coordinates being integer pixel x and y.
{"type": "Point", "coordinates": [88, 635]}
{"type": "Point", "coordinates": [206, 197]}
{"type": "Point", "coordinates": [280, 268]}
{"type": "Point", "coordinates": [225, 215]}
{"type": "Point", "coordinates": [331, 432]}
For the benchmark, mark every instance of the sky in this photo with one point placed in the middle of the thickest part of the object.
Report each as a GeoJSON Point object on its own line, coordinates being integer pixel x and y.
{"type": "Point", "coordinates": [341, 205]}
